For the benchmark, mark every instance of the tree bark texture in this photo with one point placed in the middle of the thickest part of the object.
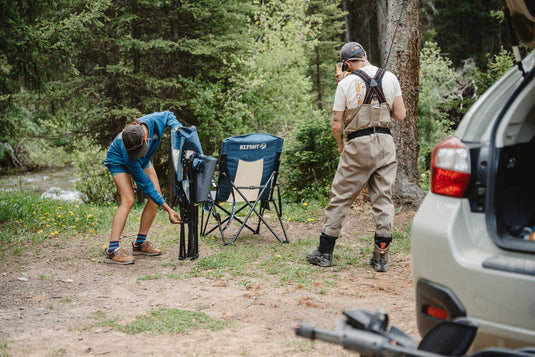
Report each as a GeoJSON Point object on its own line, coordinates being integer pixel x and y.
{"type": "Point", "coordinates": [390, 30]}
{"type": "Point", "coordinates": [403, 59]}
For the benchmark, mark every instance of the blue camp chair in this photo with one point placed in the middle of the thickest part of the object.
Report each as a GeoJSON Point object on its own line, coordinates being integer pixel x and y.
{"type": "Point", "coordinates": [248, 171]}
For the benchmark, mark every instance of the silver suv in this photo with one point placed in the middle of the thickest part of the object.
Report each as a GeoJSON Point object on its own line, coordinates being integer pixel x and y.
{"type": "Point", "coordinates": [473, 237]}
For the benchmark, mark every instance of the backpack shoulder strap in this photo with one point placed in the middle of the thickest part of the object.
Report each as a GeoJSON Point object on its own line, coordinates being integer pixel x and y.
{"type": "Point", "coordinates": [363, 75]}
{"type": "Point", "coordinates": [373, 85]}
{"type": "Point", "coordinates": [378, 88]}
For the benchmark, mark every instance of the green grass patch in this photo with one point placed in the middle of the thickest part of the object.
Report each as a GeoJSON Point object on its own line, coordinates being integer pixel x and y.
{"type": "Point", "coordinates": [402, 241]}
{"type": "Point", "coordinates": [155, 276]}
{"type": "Point", "coordinates": [307, 211]}
{"type": "Point", "coordinates": [248, 258]}
{"type": "Point", "coordinates": [168, 321]}
{"type": "Point", "coordinates": [286, 262]}
{"type": "Point", "coordinates": [4, 349]}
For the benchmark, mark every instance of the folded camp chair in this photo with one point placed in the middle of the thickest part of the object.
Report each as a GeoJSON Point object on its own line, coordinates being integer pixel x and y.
{"type": "Point", "coordinates": [248, 170]}
{"type": "Point", "coordinates": [193, 177]}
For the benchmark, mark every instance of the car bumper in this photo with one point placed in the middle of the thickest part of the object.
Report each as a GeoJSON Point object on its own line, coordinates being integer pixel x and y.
{"type": "Point", "coordinates": [449, 246]}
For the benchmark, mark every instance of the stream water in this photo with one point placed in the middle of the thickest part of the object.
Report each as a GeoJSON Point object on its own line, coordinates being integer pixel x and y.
{"type": "Point", "coordinates": [52, 183]}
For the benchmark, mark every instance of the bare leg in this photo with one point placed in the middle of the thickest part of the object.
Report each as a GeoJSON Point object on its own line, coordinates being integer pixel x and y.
{"type": "Point", "coordinates": [126, 192]}
{"type": "Point", "coordinates": [151, 208]}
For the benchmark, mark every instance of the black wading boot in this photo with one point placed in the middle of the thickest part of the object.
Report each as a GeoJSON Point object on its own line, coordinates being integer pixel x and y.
{"type": "Point", "coordinates": [323, 255]}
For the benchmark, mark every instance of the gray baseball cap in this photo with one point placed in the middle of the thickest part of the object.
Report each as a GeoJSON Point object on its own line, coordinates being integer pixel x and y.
{"type": "Point", "coordinates": [350, 50]}
{"type": "Point", "coordinates": [134, 141]}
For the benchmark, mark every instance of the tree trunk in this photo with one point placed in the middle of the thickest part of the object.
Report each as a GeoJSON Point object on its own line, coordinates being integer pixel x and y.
{"type": "Point", "coordinates": [393, 42]}
{"type": "Point", "coordinates": [403, 32]}
{"type": "Point", "coordinates": [318, 77]}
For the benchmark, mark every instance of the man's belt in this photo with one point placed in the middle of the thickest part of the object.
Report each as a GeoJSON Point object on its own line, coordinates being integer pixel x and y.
{"type": "Point", "coordinates": [367, 131]}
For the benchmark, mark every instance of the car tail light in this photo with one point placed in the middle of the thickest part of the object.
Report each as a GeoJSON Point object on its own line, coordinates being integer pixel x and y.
{"type": "Point", "coordinates": [436, 312]}
{"type": "Point", "coordinates": [450, 168]}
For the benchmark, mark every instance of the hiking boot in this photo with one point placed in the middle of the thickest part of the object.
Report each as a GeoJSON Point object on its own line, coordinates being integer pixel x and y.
{"type": "Point", "coordinates": [118, 256]}
{"type": "Point", "coordinates": [146, 248]}
{"type": "Point", "coordinates": [320, 259]}
{"type": "Point", "coordinates": [379, 259]}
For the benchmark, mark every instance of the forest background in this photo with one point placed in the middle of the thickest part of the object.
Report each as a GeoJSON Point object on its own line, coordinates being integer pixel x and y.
{"type": "Point", "coordinates": [74, 72]}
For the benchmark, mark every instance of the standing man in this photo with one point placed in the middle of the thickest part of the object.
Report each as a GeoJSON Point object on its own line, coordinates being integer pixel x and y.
{"type": "Point", "coordinates": [365, 102]}
{"type": "Point", "coordinates": [129, 158]}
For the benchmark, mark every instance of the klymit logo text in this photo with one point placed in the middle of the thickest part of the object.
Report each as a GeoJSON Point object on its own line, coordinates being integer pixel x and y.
{"type": "Point", "coordinates": [253, 146]}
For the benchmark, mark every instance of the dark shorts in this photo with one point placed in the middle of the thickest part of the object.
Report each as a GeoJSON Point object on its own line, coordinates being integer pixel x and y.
{"type": "Point", "coordinates": [119, 169]}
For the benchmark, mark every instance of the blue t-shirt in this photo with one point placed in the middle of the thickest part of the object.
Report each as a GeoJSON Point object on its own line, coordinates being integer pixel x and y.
{"type": "Point", "coordinates": [118, 157]}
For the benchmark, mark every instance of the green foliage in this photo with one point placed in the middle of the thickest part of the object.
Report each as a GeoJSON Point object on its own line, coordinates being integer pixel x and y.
{"type": "Point", "coordinates": [437, 86]}
{"type": "Point", "coordinates": [39, 152]}
{"type": "Point", "coordinates": [325, 19]}
{"type": "Point", "coordinates": [274, 91]}
{"type": "Point", "coordinates": [465, 29]}
{"type": "Point", "coordinates": [96, 65]}
{"type": "Point", "coordinates": [93, 179]}
{"type": "Point", "coordinates": [82, 69]}
{"type": "Point", "coordinates": [497, 66]}
{"type": "Point", "coordinates": [309, 160]}
{"type": "Point", "coordinates": [445, 96]}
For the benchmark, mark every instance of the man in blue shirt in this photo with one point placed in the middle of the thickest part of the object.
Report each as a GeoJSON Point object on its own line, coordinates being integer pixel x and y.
{"type": "Point", "coordinates": [129, 157]}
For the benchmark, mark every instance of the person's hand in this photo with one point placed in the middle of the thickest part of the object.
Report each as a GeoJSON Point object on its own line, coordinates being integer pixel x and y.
{"type": "Point", "coordinates": [338, 73]}
{"type": "Point", "coordinates": [341, 147]}
{"type": "Point", "coordinates": [173, 217]}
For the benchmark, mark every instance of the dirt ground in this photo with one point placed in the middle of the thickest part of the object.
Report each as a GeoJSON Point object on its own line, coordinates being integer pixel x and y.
{"type": "Point", "coordinates": [50, 297]}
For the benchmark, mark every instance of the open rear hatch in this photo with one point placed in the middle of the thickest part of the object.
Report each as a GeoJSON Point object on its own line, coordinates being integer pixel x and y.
{"type": "Point", "coordinates": [510, 194]}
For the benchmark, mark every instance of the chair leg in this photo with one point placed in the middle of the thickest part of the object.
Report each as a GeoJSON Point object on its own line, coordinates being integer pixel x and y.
{"type": "Point", "coordinates": [219, 223]}
{"type": "Point", "coordinates": [261, 218]}
{"type": "Point", "coordinates": [182, 247]}
{"type": "Point", "coordinates": [278, 211]}
{"type": "Point", "coordinates": [262, 209]}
